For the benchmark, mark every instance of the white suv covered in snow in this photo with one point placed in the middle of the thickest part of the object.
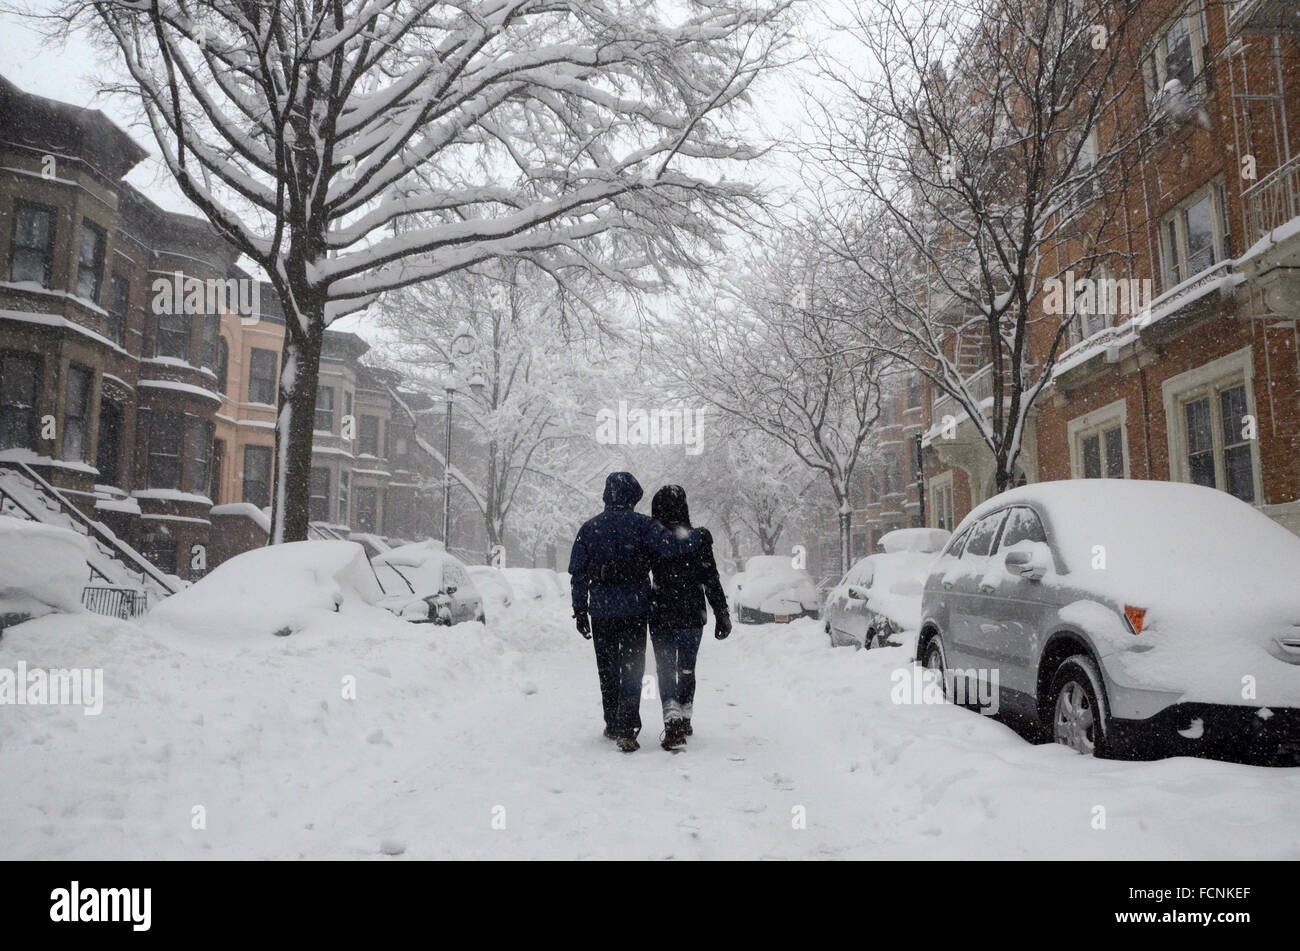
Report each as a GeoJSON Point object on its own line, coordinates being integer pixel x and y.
{"type": "Point", "coordinates": [1125, 618]}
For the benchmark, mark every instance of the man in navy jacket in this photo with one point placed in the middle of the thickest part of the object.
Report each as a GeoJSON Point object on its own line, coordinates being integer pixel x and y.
{"type": "Point", "coordinates": [610, 572]}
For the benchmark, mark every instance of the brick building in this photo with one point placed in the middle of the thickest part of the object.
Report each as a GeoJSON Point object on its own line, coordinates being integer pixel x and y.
{"type": "Point", "coordinates": [1204, 384]}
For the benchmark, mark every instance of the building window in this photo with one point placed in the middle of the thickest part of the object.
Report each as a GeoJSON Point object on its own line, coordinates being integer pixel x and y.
{"type": "Point", "coordinates": [1212, 426]}
{"type": "Point", "coordinates": [318, 504]}
{"type": "Point", "coordinates": [1095, 304]}
{"type": "Point", "coordinates": [161, 553]}
{"type": "Point", "coordinates": [166, 442]}
{"type": "Point", "coordinates": [368, 435]}
{"type": "Point", "coordinates": [1178, 54]}
{"type": "Point", "coordinates": [397, 516]}
{"type": "Point", "coordinates": [20, 381]}
{"type": "Point", "coordinates": [344, 485]}
{"type": "Point", "coordinates": [324, 409]}
{"type": "Point", "coordinates": [347, 404]}
{"type": "Point", "coordinates": [367, 508]}
{"type": "Point", "coordinates": [1099, 443]}
{"type": "Point", "coordinates": [859, 545]}
{"type": "Point", "coordinates": [31, 248]}
{"type": "Point", "coordinates": [261, 376]}
{"type": "Point", "coordinates": [913, 391]}
{"type": "Point", "coordinates": [857, 492]}
{"type": "Point", "coordinates": [203, 458]}
{"type": "Point", "coordinates": [107, 444]}
{"type": "Point", "coordinates": [941, 507]}
{"type": "Point", "coordinates": [90, 262]}
{"type": "Point", "coordinates": [118, 294]}
{"type": "Point", "coordinates": [210, 356]}
{"type": "Point", "coordinates": [76, 414]}
{"type": "Point", "coordinates": [223, 365]}
{"type": "Point", "coordinates": [257, 475]}
{"type": "Point", "coordinates": [1194, 236]}
{"type": "Point", "coordinates": [172, 336]}
{"type": "Point", "coordinates": [218, 463]}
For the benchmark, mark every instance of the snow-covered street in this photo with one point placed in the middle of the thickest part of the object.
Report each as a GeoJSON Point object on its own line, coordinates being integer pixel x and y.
{"type": "Point", "coordinates": [476, 742]}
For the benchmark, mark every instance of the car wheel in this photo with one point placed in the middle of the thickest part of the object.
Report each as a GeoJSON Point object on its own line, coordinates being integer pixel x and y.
{"type": "Point", "coordinates": [936, 660]}
{"type": "Point", "coordinates": [870, 640]}
{"type": "Point", "coordinates": [1078, 707]}
{"type": "Point", "coordinates": [829, 636]}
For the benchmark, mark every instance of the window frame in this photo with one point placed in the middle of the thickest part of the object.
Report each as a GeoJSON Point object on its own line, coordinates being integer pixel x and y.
{"type": "Point", "coordinates": [254, 451]}
{"type": "Point", "coordinates": [205, 433]}
{"type": "Point", "coordinates": [313, 496]}
{"type": "Point", "coordinates": [77, 423]}
{"type": "Point", "coordinates": [321, 389]}
{"type": "Point", "coordinates": [154, 450]}
{"type": "Point", "coordinates": [1155, 62]}
{"type": "Point", "coordinates": [1175, 256]}
{"type": "Point", "coordinates": [1096, 423]}
{"type": "Point", "coordinates": [255, 379]}
{"type": "Point", "coordinates": [117, 319]}
{"type": "Point", "coordinates": [11, 411]}
{"type": "Point", "coordinates": [21, 204]}
{"type": "Point", "coordinates": [1211, 379]}
{"type": "Point", "coordinates": [97, 265]}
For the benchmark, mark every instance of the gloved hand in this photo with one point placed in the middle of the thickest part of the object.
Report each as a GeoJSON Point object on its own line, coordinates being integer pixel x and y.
{"type": "Point", "coordinates": [583, 624]}
{"type": "Point", "coordinates": [722, 628]}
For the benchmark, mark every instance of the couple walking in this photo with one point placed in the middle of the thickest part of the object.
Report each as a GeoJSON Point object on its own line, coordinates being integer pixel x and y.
{"type": "Point", "coordinates": [614, 600]}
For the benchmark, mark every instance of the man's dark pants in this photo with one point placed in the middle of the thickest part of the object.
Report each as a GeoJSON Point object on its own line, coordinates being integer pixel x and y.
{"type": "Point", "coordinates": [620, 661]}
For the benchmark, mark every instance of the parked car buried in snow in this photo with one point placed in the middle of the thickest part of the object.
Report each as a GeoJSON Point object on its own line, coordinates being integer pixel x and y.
{"type": "Point", "coordinates": [1125, 618]}
{"type": "Point", "coordinates": [771, 589]}
{"type": "Point", "coordinates": [880, 596]}
{"type": "Point", "coordinates": [422, 583]}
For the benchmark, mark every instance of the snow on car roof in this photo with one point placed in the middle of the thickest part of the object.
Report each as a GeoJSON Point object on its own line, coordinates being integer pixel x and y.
{"type": "Point", "coordinates": [914, 539]}
{"type": "Point", "coordinates": [1190, 547]}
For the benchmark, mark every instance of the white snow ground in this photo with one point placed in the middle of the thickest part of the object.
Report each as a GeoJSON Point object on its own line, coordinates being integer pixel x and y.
{"type": "Point", "coordinates": [455, 731]}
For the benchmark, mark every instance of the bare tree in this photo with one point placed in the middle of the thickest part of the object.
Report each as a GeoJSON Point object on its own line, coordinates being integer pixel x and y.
{"type": "Point", "coordinates": [530, 416]}
{"type": "Point", "coordinates": [963, 170]}
{"type": "Point", "coordinates": [774, 350]}
{"type": "Point", "coordinates": [354, 147]}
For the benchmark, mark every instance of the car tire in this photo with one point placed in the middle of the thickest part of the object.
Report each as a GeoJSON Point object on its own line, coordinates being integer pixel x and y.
{"type": "Point", "coordinates": [829, 636]}
{"type": "Point", "coordinates": [1078, 713]}
{"type": "Point", "coordinates": [870, 640]}
{"type": "Point", "coordinates": [936, 659]}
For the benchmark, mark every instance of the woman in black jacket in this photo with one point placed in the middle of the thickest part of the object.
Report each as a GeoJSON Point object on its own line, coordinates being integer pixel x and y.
{"type": "Point", "coordinates": [677, 613]}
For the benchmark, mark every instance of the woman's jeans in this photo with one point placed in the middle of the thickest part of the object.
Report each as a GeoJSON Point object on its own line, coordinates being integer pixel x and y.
{"type": "Point", "coordinates": [675, 652]}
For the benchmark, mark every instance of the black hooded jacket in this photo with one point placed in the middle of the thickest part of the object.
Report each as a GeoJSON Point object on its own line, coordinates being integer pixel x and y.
{"type": "Point", "coordinates": [682, 583]}
{"type": "Point", "coordinates": [610, 563]}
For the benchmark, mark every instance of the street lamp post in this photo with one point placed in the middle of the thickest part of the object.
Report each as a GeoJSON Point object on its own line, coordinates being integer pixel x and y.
{"type": "Point", "coordinates": [463, 346]}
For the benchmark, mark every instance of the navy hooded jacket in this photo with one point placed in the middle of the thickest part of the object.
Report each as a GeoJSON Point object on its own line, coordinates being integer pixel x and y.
{"type": "Point", "coordinates": [613, 553]}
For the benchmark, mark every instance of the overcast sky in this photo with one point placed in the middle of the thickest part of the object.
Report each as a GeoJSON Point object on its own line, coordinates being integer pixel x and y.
{"type": "Point", "coordinates": [70, 73]}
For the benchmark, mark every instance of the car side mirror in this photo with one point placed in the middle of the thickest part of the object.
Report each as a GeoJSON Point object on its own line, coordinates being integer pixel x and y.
{"type": "Point", "coordinates": [857, 593]}
{"type": "Point", "coordinates": [1023, 563]}
{"type": "Point", "coordinates": [450, 589]}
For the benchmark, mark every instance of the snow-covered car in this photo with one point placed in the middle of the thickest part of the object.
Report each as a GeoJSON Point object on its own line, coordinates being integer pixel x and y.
{"type": "Point", "coordinates": [880, 596]}
{"type": "Point", "coordinates": [423, 583]}
{"type": "Point", "coordinates": [492, 584]}
{"type": "Point", "coordinates": [535, 584]}
{"type": "Point", "coordinates": [771, 589]}
{"type": "Point", "coordinates": [1124, 618]}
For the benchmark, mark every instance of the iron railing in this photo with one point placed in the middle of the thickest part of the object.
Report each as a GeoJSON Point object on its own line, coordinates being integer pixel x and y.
{"type": "Point", "coordinates": [1272, 201]}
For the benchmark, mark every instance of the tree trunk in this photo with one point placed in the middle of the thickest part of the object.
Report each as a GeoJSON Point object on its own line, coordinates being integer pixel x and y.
{"type": "Point", "coordinates": [846, 534]}
{"type": "Point", "coordinates": [295, 423]}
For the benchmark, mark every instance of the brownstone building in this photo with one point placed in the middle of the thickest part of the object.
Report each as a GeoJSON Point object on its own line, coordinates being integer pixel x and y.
{"type": "Point", "coordinates": [139, 369]}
